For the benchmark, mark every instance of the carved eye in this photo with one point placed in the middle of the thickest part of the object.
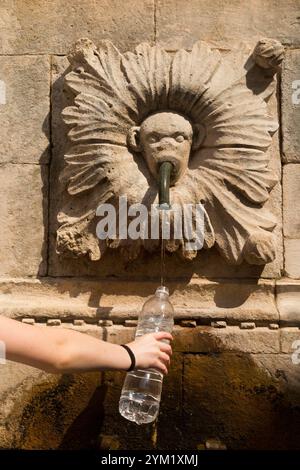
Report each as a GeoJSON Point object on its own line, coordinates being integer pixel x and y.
{"type": "Point", "coordinates": [152, 139]}
{"type": "Point", "coordinates": [180, 138]}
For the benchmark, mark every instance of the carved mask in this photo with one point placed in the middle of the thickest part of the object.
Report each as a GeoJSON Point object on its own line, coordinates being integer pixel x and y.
{"type": "Point", "coordinates": [164, 136]}
{"type": "Point", "coordinates": [204, 113]}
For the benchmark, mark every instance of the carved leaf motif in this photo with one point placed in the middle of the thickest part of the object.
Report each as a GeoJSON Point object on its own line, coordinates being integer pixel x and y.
{"type": "Point", "coordinates": [232, 220]}
{"type": "Point", "coordinates": [147, 73]}
{"type": "Point", "coordinates": [190, 76]}
{"type": "Point", "coordinates": [237, 118]}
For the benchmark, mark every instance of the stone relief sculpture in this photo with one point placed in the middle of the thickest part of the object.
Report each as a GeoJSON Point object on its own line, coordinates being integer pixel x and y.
{"type": "Point", "coordinates": [206, 113]}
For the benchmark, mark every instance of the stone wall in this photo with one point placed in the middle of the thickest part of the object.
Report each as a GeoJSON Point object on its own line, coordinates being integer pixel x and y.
{"type": "Point", "coordinates": [232, 375]}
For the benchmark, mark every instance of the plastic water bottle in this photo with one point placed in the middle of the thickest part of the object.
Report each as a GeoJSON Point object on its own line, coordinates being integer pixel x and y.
{"type": "Point", "coordinates": [141, 392]}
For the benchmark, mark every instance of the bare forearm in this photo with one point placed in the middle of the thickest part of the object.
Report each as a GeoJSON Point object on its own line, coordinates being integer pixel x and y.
{"type": "Point", "coordinates": [81, 352]}
{"type": "Point", "coordinates": [60, 350]}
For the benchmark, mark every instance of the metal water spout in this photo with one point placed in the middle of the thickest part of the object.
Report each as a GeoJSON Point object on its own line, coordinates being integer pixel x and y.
{"type": "Point", "coordinates": [164, 176]}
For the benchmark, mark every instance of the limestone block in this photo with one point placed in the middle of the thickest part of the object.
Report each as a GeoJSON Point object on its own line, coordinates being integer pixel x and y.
{"type": "Point", "coordinates": [247, 325]}
{"type": "Point", "coordinates": [23, 219]}
{"type": "Point", "coordinates": [54, 322]}
{"type": "Point", "coordinates": [291, 204]}
{"type": "Point", "coordinates": [119, 334]}
{"type": "Point", "coordinates": [205, 339]}
{"type": "Point", "coordinates": [41, 411]}
{"type": "Point", "coordinates": [171, 399]}
{"type": "Point", "coordinates": [292, 257]}
{"type": "Point", "coordinates": [288, 301]}
{"type": "Point", "coordinates": [214, 444]}
{"type": "Point", "coordinates": [288, 337]}
{"type": "Point", "coordinates": [290, 88]}
{"type": "Point", "coordinates": [112, 383]}
{"type": "Point", "coordinates": [24, 108]}
{"type": "Point", "coordinates": [43, 27]}
{"type": "Point", "coordinates": [180, 23]}
{"type": "Point", "coordinates": [282, 368]}
{"type": "Point", "coordinates": [243, 395]}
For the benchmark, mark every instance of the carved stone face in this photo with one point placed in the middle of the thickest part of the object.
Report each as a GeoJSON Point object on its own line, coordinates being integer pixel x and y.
{"type": "Point", "coordinates": [164, 136]}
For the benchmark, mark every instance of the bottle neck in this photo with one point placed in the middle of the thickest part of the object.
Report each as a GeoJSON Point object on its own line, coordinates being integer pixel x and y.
{"type": "Point", "coordinates": [162, 292]}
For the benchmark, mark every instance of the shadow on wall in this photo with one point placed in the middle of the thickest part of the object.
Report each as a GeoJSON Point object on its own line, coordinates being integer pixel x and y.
{"type": "Point", "coordinates": [247, 401]}
{"type": "Point", "coordinates": [45, 156]}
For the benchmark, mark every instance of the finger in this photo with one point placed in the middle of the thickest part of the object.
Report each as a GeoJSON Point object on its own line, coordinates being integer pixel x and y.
{"type": "Point", "coordinates": [165, 357]}
{"type": "Point", "coordinates": [166, 348]}
{"type": "Point", "coordinates": [163, 335]}
{"type": "Point", "coordinates": [161, 366]}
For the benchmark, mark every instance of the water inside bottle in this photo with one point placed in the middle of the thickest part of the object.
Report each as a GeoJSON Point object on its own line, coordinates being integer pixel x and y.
{"type": "Point", "coordinates": [141, 396]}
{"type": "Point", "coordinates": [141, 391]}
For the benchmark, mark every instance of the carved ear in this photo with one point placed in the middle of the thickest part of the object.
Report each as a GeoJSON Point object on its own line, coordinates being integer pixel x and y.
{"type": "Point", "coordinates": [133, 139]}
{"type": "Point", "coordinates": [198, 135]}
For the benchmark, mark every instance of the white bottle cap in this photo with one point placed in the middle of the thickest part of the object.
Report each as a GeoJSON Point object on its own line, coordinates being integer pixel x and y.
{"type": "Point", "coordinates": [162, 290]}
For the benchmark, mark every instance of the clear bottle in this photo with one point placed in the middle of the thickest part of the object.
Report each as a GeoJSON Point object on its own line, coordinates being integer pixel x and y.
{"type": "Point", "coordinates": [141, 392]}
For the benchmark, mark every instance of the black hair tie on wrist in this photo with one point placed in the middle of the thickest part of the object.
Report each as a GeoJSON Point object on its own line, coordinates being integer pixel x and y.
{"type": "Point", "coordinates": [132, 357]}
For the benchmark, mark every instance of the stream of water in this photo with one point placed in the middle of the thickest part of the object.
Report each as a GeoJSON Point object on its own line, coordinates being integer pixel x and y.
{"type": "Point", "coordinates": [162, 261]}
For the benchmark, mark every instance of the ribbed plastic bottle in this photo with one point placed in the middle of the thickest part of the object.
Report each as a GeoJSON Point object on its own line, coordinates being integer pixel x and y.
{"type": "Point", "coordinates": [141, 392]}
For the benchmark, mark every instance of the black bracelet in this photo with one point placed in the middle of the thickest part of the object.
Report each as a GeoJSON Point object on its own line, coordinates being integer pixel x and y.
{"type": "Point", "coordinates": [132, 357]}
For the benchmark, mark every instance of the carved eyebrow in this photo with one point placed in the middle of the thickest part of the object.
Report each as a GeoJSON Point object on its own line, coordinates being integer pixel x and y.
{"type": "Point", "coordinates": [177, 133]}
{"type": "Point", "coordinates": [154, 134]}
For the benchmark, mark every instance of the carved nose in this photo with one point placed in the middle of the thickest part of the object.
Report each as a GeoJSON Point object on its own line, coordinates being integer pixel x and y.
{"type": "Point", "coordinates": [166, 143]}
{"type": "Point", "coordinates": [167, 139]}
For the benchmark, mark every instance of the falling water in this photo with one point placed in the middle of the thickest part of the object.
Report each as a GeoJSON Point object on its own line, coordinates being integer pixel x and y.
{"type": "Point", "coordinates": [162, 261]}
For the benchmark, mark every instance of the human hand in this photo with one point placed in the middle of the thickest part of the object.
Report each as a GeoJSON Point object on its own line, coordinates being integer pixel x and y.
{"type": "Point", "coordinates": [151, 351]}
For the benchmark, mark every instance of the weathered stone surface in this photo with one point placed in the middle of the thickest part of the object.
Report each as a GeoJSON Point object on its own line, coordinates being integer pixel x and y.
{"type": "Point", "coordinates": [24, 109]}
{"type": "Point", "coordinates": [245, 400]}
{"type": "Point", "coordinates": [23, 220]}
{"type": "Point", "coordinates": [214, 444]}
{"type": "Point", "coordinates": [54, 322]}
{"type": "Point", "coordinates": [291, 203]}
{"type": "Point", "coordinates": [29, 321]}
{"type": "Point", "coordinates": [247, 325]}
{"type": "Point", "coordinates": [119, 334]}
{"type": "Point", "coordinates": [99, 299]}
{"type": "Point", "coordinates": [291, 106]}
{"type": "Point", "coordinates": [180, 23]}
{"type": "Point", "coordinates": [292, 257]}
{"type": "Point", "coordinates": [208, 262]}
{"type": "Point", "coordinates": [212, 144]}
{"type": "Point", "coordinates": [43, 27]}
{"type": "Point", "coordinates": [288, 301]}
{"type": "Point", "coordinates": [249, 397]}
{"type": "Point", "coordinates": [42, 411]}
{"type": "Point", "coordinates": [205, 339]}
{"type": "Point", "coordinates": [282, 368]}
{"type": "Point", "coordinates": [288, 336]}
{"type": "Point", "coordinates": [226, 384]}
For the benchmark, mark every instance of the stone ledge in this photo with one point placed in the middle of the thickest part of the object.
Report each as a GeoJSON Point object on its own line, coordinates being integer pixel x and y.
{"type": "Point", "coordinates": [288, 301]}
{"type": "Point", "coordinates": [93, 300]}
